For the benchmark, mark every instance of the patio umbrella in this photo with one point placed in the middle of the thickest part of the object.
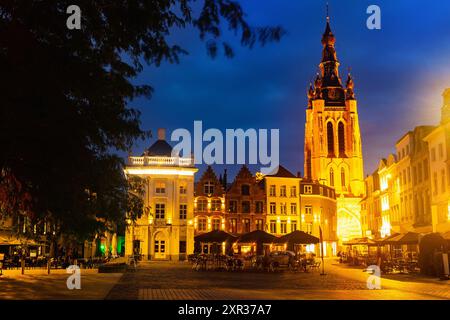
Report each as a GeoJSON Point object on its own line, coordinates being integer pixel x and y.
{"type": "Point", "coordinates": [215, 236]}
{"type": "Point", "coordinates": [258, 236]}
{"type": "Point", "coordinates": [361, 241]}
{"type": "Point", "coordinates": [446, 236]}
{"type": "Point", "coordinates": [297, 237]}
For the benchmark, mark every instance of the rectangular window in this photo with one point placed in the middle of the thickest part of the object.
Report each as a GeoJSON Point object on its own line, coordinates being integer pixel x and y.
{"type": "Point", "coordinates": [283, 227]}
{"type": "Point", "coordinates": [202, 224]}
{"type": "Point", "coordinates": [233, 225]}
{"type": "Point", "coordinates": [216, 224]}
{"type": "Point", "coordinates": [293, 191]}
{"type": "Point", "coordinates": [308, 210]}
{"type": "Point", "coordinates": [309, 228]}
{"type": "Point", "coordinates": [246, 225]}
{"type": "Point", "coordinates": [202, 205]}
{"type": "Point", "coordinates": [293, 208]}
{"type": "Point", "coordinates": [283, 191]}
{"type": "Point", "coordinates": [160, 188]}
{"type": "Point", "coordinates": [245, 190]}
{"type": "Point", "coordinates": [433, 154]}
{"type": "Point", "coordinates": [272, 191]}
{"type": "Point", "coordinates": [259, 224]}
{"type": "Point", "coordinates": [283, 208]}
{"type": "Point", "coordinates": [273, 208]}
{"type": "Point", "coordinates": [293, 226]}
{"type": "Point", "coordinates": [232, 206]}
{"type": "Point", "coordinates": [160, 211]}
{"type": "Point", "coordinates": [441, 151]}
{"type": "Point", "coordinates": [208, 187]}
{"type": "Point", "coordinates": [183, 189]}
{"type": "Point", "coordinates": [307, 189]}
{"type": "Point", "coordinates": [183, 211]}
{"type": "Point", "coordinates": [273, 226]}
{"type": "Point", "coordinates": [216, 204]}
{"type": "Point", "coordinates": [245, 206]}
{"type": "Point", "coordinates": [259, 207]}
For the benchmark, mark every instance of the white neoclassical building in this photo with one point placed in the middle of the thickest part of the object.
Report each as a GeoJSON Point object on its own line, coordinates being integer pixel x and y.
{"type": "Point", "coordinates": [165, 231]}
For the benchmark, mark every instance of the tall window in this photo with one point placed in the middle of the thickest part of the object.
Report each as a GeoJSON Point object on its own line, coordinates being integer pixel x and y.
{"type": "Point", "coordinates": [216, 224]}
{"type": "Point", "coordinates": [202, 205]}
{"type": "Point", "coordinates": [330, 139]}
{"type": "Point", "coordinates": [216, 204]}
{"type": "Point", "coordinates": [341, 139]}
{"type": "Point", "coordinates": [283, 191]}
{"type": "Point", "coordinates": [273, 226]}
{"type": "Point", "coordinates": [283, 208]}
{"type": "Point", "coordinates": [246, 225]}
{"type": "Point", "coordinates": [183, 211]}
{"type": "Point", "coordinates": [202, 224]}
{"type": "Point", "coordinates": [293, 226]}
{"type": "Point", "coordinates": [259, 207]}
{"type": "Point", "coordinates": [259, 224]}
{"type": "Point", "coordinates": [273, 207]}
{"type": "Point", "coordinates": [208, 187]}
{"type": "Point", "coordinates": [232, 206]}
{"type": "Point", "coordinates": [245, 190]}
{"type": "Point", "coordinates": [342, 177]}
{"type": "Point", "coordinates": [293, 208]}
{"type": "Point", "coordinates": [160, 210]}
{"type": "Point", "coordinates": [183, 189]}
{"type": "Point", "coordinates": [283, 226]}
{"type": "Point", "coordinates": [272, 191]}
{"type": "Point", "coordinates": [293, 191]}
{"type": "Point", "coordinates": [245, 206]}
{"type": "Point", "coordinates": [233, 225]}
{"type": "Point", "coordinates": [331, 177]}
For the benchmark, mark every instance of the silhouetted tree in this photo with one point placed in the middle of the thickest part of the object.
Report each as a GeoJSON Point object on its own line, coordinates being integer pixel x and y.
{"type": "Point", "coordinates": [66, 98]}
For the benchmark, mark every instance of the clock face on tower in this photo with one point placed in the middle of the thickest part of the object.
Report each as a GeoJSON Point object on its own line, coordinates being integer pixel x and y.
{"type": "Point", "coordinates": [333, 94]}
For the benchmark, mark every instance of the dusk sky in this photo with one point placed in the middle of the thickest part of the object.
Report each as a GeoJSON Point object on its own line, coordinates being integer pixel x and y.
{"type": "Point", "coordinates": [400, 73]}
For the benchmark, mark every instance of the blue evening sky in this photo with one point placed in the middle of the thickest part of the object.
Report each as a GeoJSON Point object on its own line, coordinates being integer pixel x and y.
{"type": "Point", "coordinates": [400, 73]}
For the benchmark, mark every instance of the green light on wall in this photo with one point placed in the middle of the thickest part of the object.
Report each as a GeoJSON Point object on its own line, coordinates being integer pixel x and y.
{"type": "Point", "coordinates": [102, 248]}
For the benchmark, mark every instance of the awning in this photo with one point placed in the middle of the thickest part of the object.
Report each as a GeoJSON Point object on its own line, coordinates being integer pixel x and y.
{"type": "Point", "coordinates": [298, 237]}
{"type": "Point", "coordinates": [406, 238]}
{"type": "Point", "coordinates": [446, 235]}
{"type": "Point", "coordinates": [215, 236]}
{"type": "Point", "coordinates": [258, 236]}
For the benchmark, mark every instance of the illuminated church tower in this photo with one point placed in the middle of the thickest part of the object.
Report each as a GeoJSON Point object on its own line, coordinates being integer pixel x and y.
{"type": "Point", "coordinates": [333, 153]}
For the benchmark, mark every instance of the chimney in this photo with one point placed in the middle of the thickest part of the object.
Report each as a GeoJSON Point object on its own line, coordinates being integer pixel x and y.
{"type": "Point", "coordinates": [161, 134]}
{"type": "Point", "coordinates": [299, 174]}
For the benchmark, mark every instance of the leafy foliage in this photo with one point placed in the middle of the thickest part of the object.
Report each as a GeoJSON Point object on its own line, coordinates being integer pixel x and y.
{"type": "Point", "coordinates": [67, 98]}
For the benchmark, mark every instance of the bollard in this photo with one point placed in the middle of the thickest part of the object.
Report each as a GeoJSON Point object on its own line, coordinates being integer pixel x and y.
{"type": "Point", "coordinates": [48, 266]}
{"type": "Point", "coordinates": [22, 265]}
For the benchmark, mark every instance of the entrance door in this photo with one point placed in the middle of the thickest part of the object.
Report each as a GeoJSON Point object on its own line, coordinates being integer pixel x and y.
{"type": "Point", "coordinates": [160, 246]}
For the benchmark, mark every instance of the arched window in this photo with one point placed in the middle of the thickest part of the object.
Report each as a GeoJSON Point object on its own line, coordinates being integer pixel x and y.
{"type": "Point", "coordinates": [341, 139]}
{"type": "Point", "coordinates": [330, 139]}
{"type": "Point", "coordinates": [331, 177]}
{"type": "Point", "coordinates": [343, 177]}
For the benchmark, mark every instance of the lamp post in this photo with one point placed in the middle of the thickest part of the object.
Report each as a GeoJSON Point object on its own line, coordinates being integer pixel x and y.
{"type": "Point", "coordinates": [321, 251]}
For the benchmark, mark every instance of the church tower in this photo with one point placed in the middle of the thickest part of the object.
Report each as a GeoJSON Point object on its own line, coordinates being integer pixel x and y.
{"type": "Point", "coordinates": [333, 152]}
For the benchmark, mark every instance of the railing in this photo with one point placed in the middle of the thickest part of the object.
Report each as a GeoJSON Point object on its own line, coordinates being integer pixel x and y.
{"type": "Point", "coordinates": [161, 161]}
